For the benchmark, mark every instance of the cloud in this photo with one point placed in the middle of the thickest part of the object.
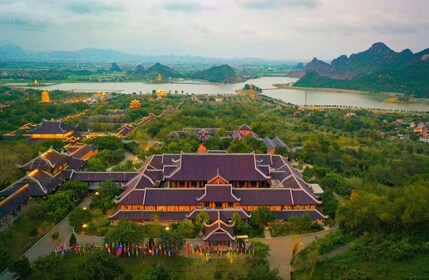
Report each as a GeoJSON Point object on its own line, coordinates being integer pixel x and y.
{"type": "Point", "coordinates": [92, 7]}
{"type": "Point", "coordinates": [21, 14]}
{"type": "Point", "coordinates": [182, 6]}
{"type": "Point", "coordinates": [277, 4]}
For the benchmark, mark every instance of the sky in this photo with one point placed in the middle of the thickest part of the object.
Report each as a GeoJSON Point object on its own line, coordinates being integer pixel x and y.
{"type": "Point", "coordinates": [268, 29]}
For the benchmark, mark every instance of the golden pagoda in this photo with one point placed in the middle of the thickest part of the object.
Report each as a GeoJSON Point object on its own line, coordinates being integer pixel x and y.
{"type": "Point", "coordinates": [135, 104]}
{"type": "Point", "coordinates": [161, 93]}
{"type": "Point", "coordinates": [36, 83]}
{"type": "Point", "coordinates": [45, 97]}
{"type": "Point", "coordinates": [159, 78]}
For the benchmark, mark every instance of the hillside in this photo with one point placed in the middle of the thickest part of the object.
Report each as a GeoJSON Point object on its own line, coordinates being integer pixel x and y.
{"type": "Point", "coordinates": [218, 74]}
{"type": "Point", "coordinates": [16, 53]}
{"type": "Point", "coordinates": [152, 72]}
{"type": "Point", "coordinates": [377, 69]}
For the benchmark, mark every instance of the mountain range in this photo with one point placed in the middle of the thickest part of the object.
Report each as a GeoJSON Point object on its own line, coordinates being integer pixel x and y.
{"type": "Point", "coordinates": [16, 53]}
{"type": "Point", "coordinates": [218, 74]}
{"type": "Point", "coordinates": [378, 69]}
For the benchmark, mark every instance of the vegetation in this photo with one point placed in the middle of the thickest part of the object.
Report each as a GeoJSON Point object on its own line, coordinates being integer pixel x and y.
{"type": "Point", "coordinates": [218, 74]}
{"type": "Point", "coordinates": [377, 69]}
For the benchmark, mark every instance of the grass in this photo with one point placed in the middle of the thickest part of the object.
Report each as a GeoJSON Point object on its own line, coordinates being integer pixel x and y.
{"type": "Point", "coordinates": [349, 265]}
{"type": "Point", "coordinates": [178, 267]}
{"type": "Point", "coordinates": [23, 234]}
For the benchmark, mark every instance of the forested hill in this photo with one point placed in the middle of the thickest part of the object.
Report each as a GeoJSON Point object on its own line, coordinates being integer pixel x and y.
{"type": "Point", "coordinates": [221, 74]}
{"type": "Point", "coordinates": [152, 72]}
{"type": "Point", "coordinates": [377, 69]}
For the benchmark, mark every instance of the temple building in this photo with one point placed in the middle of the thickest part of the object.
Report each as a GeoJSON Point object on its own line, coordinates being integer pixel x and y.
{"type": "Point", "coordinates": [135, 104]}
{"type": "Point", "coordinates": [45, 97]}
{"type": "Point", "coordinates": [243, 132]}
{"type": "Point", "coordinates": [272, 144]}
{"type": "Point", "coordinates": [51, 129]}
{"type": "Point", "coordinates": [177, 186]}
{"type": "Point", "coordinates": [44, 174]}
{"type": "Point", "coordinates": [159, 78]}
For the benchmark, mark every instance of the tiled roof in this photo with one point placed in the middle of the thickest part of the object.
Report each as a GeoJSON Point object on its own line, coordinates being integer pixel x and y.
{"type": "Point", "coordinates": [287, 186]}
{"type": "Point", "coordinates": [222, 214]}
{"type": "Point", "coordinates": [13, 202]}
{"type": "Point", "coordinates": [201, 167]}
{"type": "Point", "coordinates": [158, 196]}
{"type": "Point", "coordinates": [271, 144]}
{"type": "Point", "coordinates": [52, 127]}
{"type": "Point", "coordinates": [219, 231]}
{"type": "Point", "coordinates": [148, 215]}
{"type": "Point", "coordinates": [218, 193]}
{"type": "Point", "coordinates": [52, 159]}
{"type": "Point", "coordinates": [103, 176]}
{"type": "Point", "coordinates": [261, 197]}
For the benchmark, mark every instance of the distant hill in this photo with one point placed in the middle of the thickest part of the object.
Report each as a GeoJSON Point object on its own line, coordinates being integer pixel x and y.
{"type": "Point", "coordinates": [13, 52]}
{"type": "Point", "coordinates": [377, 69]}
{"type": "Point", "coordinates": [218, 74]}
{"type": "Point", "coordinates": [152, 72]}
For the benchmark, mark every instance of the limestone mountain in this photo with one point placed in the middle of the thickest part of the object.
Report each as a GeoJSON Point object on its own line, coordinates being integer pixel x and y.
{"type": "Point", "coordinates": [166, 72]}
{"type": "Point", "coordinates": [219, 74]}
{"type": "Point", "coordinates": [377, 69]}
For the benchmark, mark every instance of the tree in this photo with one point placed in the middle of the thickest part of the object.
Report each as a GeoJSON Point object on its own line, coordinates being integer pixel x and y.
{"type": "Point", "coordinates": [263, 272]}
{"type": "Point", "coordinates": [106, 194]}
{"type": "Point", "coordinates": [4, 258]}
{"type": "Point", "coordinates": [78, 217]}
{"type": "Point", "coordinates": [261, 217]}
{"type": "Point", "coordinates": [200, 220]}
{"type": "Point", "coordinates": [80, 189]}
{"type": "Point", "coordinates": [172, 237]}
{"type": "Point", "coordinates": [96, 164]}
{"type": "Point", "coordinates": [125, 232]}
{"type": "Point", "coordinates": [238, 222]}
{"type": "Point", "coordinates": [99, 266]}
{"type": "Point", "coordinates": [155, 272]}
{"type": "Point", "coordinates": [60, 204]}
{"type": "Point", "coordinates": [72, 239]}
{"type": "Point", "coordinates": [21, 266]}
{"type": "Point", "coordinates": [238, 146]}
{"type": "Point", "coordinates": [49, 266]}
{"type": "Point", "coordinates": [186, 227]}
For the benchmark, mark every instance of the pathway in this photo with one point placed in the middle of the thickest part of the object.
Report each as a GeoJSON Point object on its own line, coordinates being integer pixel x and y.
{"type": "Point", "coordinates": [44, 245]}
{"type": "Point", "coordinates": [281, 250]}
{"type": "Point", "coordinates": [127, 156]}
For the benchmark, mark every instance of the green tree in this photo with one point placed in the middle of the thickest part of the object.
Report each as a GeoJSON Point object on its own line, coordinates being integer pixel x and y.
{"type": "Point", "coordinates": [48, 266]}
{"type": "Point", "coordinates": [125, 232]}
{"type": "Point", "coordinates": [72, 239]}
{"type": "Point", "coordinates": [99, 266]}
{"type": "Point", "coordinates": [186, 227]}
{"type": "Point", "coordinates": [4, 257]}
{"type": "Point", "coordinates": [60, 204]}
{"type": "Point", "coordinates": [238, 223]}
{"type": "Point", "coordinates": [106, 194]}
{"type": "Point", "coordinates": [80, 189]}
{"type": "Point", "coordinates": [200, 220]}
{"type": "Point", "coordinates": [261, 217]}
{"type": "Point", "coordinates": [238, 146]}
{"type": "Point", "coordinates": [78, 217]}
{"type": "Point", "coordinates": [21, 267]}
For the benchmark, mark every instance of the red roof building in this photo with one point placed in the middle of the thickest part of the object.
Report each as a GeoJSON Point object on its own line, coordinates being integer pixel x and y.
{"type": "Point", "coordinates": [178, 186]}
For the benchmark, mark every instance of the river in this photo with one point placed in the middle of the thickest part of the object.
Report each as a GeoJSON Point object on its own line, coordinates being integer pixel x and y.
{"type": "Point", "coordinates": [294, 96]}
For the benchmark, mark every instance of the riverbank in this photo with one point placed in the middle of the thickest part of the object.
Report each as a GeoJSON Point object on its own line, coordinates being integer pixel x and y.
{"type": "Point", "coordinates": [337, 90]}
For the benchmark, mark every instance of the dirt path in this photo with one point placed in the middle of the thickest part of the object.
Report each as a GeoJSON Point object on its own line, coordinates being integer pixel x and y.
{"type": "Point", "coordinates": [281, 250]}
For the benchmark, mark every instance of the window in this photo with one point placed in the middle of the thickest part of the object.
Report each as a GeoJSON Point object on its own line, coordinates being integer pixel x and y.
{"type": "Point", "coordinates": [218, 204]}
{"type": "Point", "coordinates": [206, 204]}
{"type": "Point", "coordinates": [230, 204]}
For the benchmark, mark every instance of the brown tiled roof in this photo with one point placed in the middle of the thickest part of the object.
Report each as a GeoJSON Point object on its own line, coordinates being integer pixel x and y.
{"type": "Point", "coordinates": [103, 176]}
{"type": "Point", "coordinates": [52, 127]}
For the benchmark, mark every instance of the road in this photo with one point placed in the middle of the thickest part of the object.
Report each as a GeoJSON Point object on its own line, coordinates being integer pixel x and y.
{"type": "Point", "coordinates": [45, 244]}
{"type": "Point", "coordinates": [281, 250]}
